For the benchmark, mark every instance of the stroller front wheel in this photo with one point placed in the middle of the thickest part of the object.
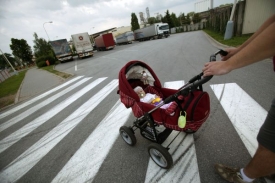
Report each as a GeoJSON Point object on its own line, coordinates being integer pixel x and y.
{"type": "Point", "coordinates": [160, 155]}
{"type": "Point", "coordinates": [127, 135]}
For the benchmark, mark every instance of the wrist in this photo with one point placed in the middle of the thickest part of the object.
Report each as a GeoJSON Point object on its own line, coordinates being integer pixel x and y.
{"type": "Point", "coordinates": [228, 66]}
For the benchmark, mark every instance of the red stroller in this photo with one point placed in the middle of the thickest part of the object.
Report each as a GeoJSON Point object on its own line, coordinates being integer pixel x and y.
{"type": "Point", "coordinates": [193, 105]}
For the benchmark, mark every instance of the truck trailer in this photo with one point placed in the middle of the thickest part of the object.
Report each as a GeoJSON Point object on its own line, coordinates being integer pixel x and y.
{"type": "Point", "coordinates": [62, 50]}
{"type": "Point", "coordinates": [105, 42]}
{"type": "Point", "coordinates": [83, 45]}
{"type": "Point", "coordinates": [154, 31]}
{"type": "Point", "coordinates": [125, 38]}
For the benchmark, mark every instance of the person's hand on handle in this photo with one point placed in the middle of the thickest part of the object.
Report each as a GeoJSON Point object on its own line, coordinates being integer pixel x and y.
{"type": "Point", "coordinates": [215, 68]}
{"type": "Point", "coordinates": [230, 53]}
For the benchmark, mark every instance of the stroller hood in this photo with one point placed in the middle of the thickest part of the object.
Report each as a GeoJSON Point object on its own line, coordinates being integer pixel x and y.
{"type": "Point", "coordinates": [134, 70]}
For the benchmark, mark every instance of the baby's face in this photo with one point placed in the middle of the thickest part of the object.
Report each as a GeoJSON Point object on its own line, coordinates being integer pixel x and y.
{"type": "Point", "coordinates": [141, 93]}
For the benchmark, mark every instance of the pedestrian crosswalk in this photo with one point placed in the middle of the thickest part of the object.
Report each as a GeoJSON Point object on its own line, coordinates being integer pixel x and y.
{"type": "Point", "coordinates": [95, 149]}
{"type": "Point", "coordinates": [246, 115]}
{"type": "Point", "coordinates": [85, 163]}
{"type": "Point", "coordinates": [38, 98]}
{"type": "Point", "coordinates": [40, 105]}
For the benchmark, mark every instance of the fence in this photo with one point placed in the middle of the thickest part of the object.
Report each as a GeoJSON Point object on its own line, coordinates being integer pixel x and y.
{"type": "Point", "coordinates": [4, 74]}
{"type": "Point", "coordinates": [187, 28]}
{"type": "Point", "coordinates": [217, 18]}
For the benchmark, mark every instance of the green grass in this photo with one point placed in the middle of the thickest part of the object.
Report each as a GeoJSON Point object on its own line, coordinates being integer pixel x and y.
{"type": "Point", "coordinates": [234, 41]}
{"type": "Point", "coordinates": [52, 70]}
{"type": "Point", "coordinates": [11, 85]}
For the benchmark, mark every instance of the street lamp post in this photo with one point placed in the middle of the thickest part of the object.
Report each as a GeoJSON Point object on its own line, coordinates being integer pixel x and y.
{"type": "Point", "coordinates": [92, 29]}
{"type": "Point", "coordinates": [45, 29]}
{"type": "Point", "coordinates": [92, 35]}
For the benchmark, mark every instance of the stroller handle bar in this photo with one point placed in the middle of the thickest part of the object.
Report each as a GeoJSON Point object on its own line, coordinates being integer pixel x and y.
{"type": "Point", "coordinates": [212, 58]}
{"type": "Point", "coordinates": [196, 81]}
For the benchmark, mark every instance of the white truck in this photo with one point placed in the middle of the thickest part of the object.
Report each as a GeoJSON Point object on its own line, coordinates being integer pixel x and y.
{"type": "Point", "coordinates": [154, 31]}
{"type": "Point", "coordinates": [83, 45]}
{"type": "Point", "coordinates": [125, 38]}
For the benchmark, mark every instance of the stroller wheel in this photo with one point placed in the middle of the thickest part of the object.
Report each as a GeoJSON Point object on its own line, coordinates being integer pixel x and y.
{"type": "Point", "coordinates": [128, 136]}
{"type": "Point", "coordinates": [160, 155]}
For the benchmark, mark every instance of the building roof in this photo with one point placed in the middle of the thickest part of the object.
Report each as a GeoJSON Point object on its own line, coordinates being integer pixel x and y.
{"type": "Point", "coordinates": [102, 32]}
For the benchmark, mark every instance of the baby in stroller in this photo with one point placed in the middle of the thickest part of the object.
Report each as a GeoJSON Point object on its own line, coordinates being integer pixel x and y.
{"type": "Point", "coordinates": [155, 100]}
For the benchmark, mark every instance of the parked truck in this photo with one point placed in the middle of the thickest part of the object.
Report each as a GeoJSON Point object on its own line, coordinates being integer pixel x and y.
{"type": "Point", "coordinates": [62, 50]}
{"type": "Point", "coordinates": [154, 31]}
{"type": "Point", "coordinates": [125, 38]}
{"type": "Point", "coordinates": [105, 42]}
{"type": "Point", "coordinates": [83, 45]}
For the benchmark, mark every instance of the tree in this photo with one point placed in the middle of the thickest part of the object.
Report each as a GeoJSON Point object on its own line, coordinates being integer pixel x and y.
{"type": "Point", "coordinates": [182, 19]}
{"type": "Point", "coordinates": [43, 51]}
{"type": "Point", "coordinates": [196, 18]}
{"type": "Point", "coordinates": [168, 19]}
{"type": "Point", "coordinates": [164, 19]}
{"type": "Point", "coordinates": [134, 22]}
{"type": "Point", "coordinates": [188, 21]}
{"type": "Point", "coordinates": [152, 20]}
{"type": "Point", "coordinates": [175, 20]}
{"type": "Point", "coordinates": [21, 49]}
{"type": "Point", "coordinates": [41, 47]}
{"type": "Point", "coordinates": [158, 18]}
{"type": "Point", "coordinates": [191, 14]}
{"type": "Point", "coordinates": [228, 4]}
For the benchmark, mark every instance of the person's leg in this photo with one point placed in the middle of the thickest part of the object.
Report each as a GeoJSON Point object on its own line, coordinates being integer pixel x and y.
{"type": "Point", "coordinates": [262, 163]}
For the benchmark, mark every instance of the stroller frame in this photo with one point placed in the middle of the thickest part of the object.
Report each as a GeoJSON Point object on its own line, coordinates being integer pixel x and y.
{"type": "Point", "coordinates": [147, 125]}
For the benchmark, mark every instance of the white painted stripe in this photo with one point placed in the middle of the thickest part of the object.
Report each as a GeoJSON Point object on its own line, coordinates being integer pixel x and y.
{"type": "Point", "coordinates": [17, 135]}
{"type": "Point", "coordinates": [174, 84]}
{"type": "Point", "coordinates": [85, 163]}
{"type": "Point", "coordinates": [31, 110]}
{"type": "Point", "coordinates": [36, 152]}
{"type": "Point", "coordinates": [246, 115]}
{"type": "Point", "coordinates": [185, 168]}
{"type": "Point", "coordinates": [38, 98]}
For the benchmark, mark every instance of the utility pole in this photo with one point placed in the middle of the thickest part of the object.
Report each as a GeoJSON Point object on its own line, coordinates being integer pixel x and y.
{"type": "Point", "coordinates": [15, 72]}
{"type": "Point", "coordinates": [230, 24]}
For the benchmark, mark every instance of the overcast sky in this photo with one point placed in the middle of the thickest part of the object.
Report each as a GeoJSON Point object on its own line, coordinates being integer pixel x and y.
{"type": "Point", "coordinates": [21, 18]}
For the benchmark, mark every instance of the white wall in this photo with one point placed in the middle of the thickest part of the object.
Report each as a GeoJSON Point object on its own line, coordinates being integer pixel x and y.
{"type": "Point", "coordinates": [256, 12]}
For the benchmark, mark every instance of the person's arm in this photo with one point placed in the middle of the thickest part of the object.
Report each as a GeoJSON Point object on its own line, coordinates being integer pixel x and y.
{"type": "Point", "coordinates": [259, 48]}
{"type": "Point", "coordinates": [266, 24]}
{"type": "Point", "coordinates": [233, 51]}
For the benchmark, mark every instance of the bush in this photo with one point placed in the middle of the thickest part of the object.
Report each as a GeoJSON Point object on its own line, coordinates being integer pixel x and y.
{"type": "Point", "coordinates": [41, 61]}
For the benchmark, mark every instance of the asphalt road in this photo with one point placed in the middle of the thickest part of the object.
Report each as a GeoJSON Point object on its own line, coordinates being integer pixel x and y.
{"type": "Point", "coordinates": [90, 150]}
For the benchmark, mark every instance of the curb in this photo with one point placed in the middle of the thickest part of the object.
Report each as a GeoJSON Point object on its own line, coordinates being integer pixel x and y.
{"type": "Point", "coordinates": [216, 43]}
{"type": "Point", "coordinates": [52, 74]}
{"type": "Point", "coordinates": [72, 75]}
{"type": "Point", "coordinates": [19, 90]}
{"type": "Point", "coordinates": [16, 100]}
